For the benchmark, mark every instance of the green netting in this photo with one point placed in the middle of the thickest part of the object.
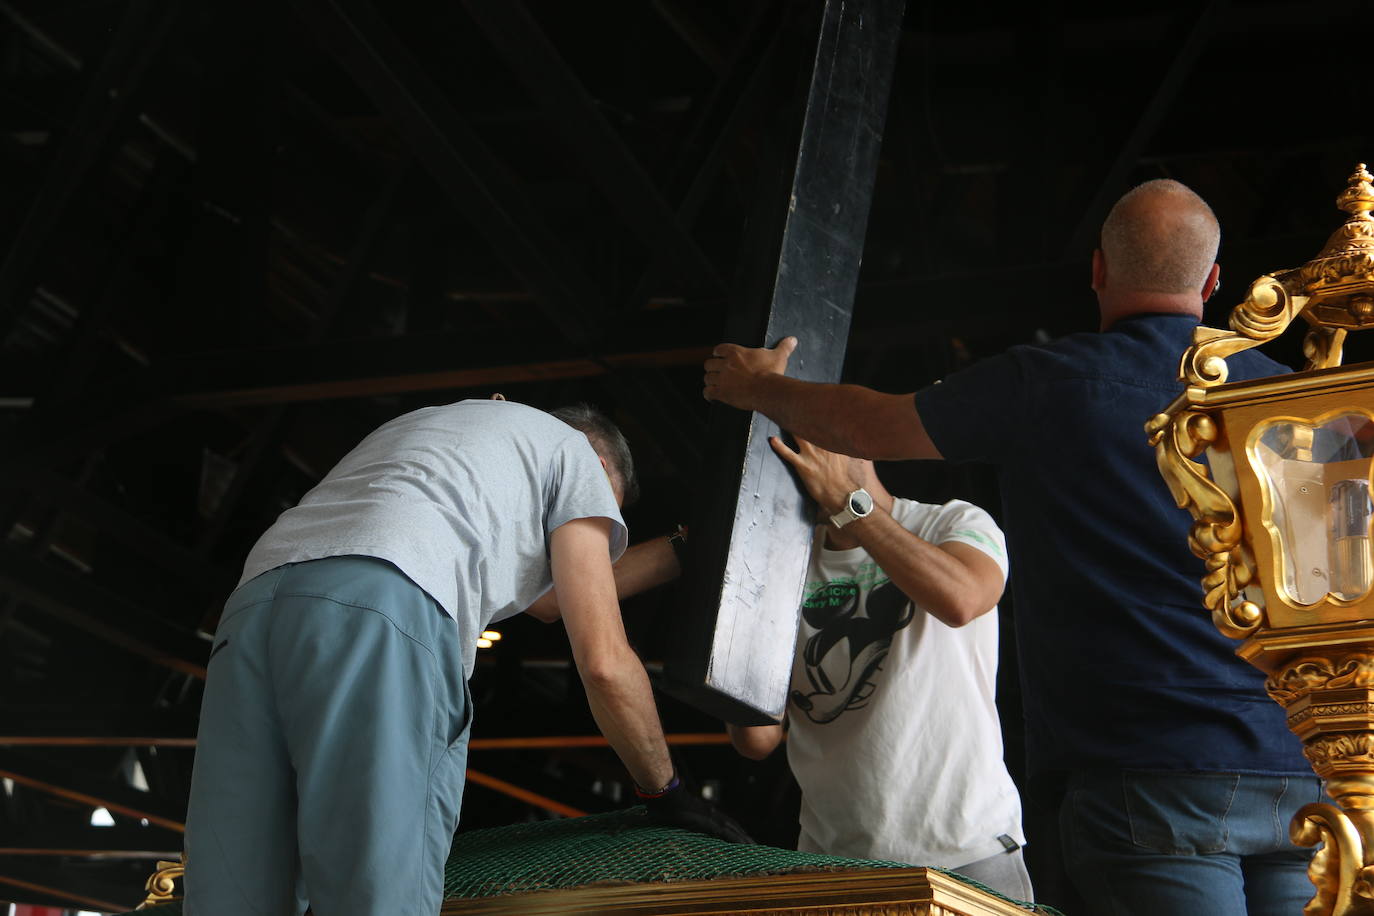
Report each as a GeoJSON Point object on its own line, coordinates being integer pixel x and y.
{"type": "Point", "coordinates": [620, 847]}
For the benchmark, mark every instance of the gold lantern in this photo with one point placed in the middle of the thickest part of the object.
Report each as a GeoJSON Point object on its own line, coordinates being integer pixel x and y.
{"type": "Point", "coordinates": [1282, 517]}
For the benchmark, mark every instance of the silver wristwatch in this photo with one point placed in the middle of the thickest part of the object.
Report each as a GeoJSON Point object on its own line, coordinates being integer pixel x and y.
{"type": "Point", "coordinates": [857, 505]}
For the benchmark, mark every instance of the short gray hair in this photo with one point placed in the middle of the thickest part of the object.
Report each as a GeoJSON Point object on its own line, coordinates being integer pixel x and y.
{"type": "Point", "coordinates": [607, 441]}
{"type": "Point", "coordinates": [1160, 237]}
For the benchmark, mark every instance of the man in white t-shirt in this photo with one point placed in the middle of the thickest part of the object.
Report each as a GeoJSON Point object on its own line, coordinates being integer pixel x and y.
{"type": "Point", "coordinates": [333, 736]}
{"type": "Point", "coordinates": [893, 732]}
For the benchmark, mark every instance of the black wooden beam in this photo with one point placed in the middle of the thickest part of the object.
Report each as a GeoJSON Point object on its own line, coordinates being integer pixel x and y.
{"type": "Point", "coordinates": [53, 777]}
{"type": "Point", "coordinates": [66, 596]}
{"type": "Point", "coordinates": [735, 658]}
{"type": "Point", "coordinates": [604, 157]}
{"type": "Point", "coordinates": [1195, 29]}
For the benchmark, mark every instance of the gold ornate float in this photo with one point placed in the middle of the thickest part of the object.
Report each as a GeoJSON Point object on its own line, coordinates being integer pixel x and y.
{"type": "Point", "coordinates": [617, 864]}
{"type": "Point", "coordinates": [1282, 518]}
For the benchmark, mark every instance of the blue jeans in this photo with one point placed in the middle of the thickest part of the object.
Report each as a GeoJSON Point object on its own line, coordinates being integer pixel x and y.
{"type": "Point", "coordinates": [333, 745]}
{"type": "Point", "coordinates": [1187, 844]}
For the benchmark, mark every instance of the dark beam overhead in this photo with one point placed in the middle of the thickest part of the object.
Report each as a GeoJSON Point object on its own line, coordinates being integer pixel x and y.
{"type": "Point", "coordinates": [480, 186]}
{"type": "Point", "coordinates": [365, 368]}
{"type": "Point", "coordinates": [612, 167]}
{"type": "Point", "coordinates": [56, 778]}
{"type": "Point", "coordinates": [733, 104]}
{"type": "Point", "coordinates": [43, 725]}
{"type": "Point", "coordinates": [104, 109]}
{"type": "Point", "coordinates": [45, 884]}
{"type": "Point", "coordinates": [106, 616]}
{"type": "Point", "coordinates": [122, 841]}
{"type": "Point", "coordinates": [1191, 37]}
{"type": "Point", "coordinates": [143, 539]}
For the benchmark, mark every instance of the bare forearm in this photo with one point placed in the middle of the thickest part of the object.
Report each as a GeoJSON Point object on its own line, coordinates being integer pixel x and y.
{"type": "Point", "coordinates": [617, 687]}
{"type": "Point", "coordinates": [623, 705]}
{"type": "Point", "coordinates": [848, 419]}
{"type": "Point", "coordinates": [942, 584]}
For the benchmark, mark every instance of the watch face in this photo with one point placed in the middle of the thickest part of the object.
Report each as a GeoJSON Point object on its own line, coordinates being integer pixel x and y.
{"type": "Point", "coordinates": [860, 503]}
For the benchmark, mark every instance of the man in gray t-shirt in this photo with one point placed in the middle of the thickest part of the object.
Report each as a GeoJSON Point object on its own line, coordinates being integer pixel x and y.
{"type": "Point", "coordinates": [333, 735]}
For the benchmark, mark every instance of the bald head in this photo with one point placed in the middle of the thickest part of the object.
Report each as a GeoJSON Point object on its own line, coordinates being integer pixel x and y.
{"type": "Point", "coordinates": [1160, 238]}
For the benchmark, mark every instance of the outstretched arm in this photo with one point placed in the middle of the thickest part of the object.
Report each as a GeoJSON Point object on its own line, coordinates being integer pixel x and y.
{"type": "Point", "coordinates": [849, 419]}
{"type": "Point", "coordinates": [955, 582]}
{"type": "Point", "coordinates": [617, 686]}
{"type": "Point", "coordinates": [642, 567]}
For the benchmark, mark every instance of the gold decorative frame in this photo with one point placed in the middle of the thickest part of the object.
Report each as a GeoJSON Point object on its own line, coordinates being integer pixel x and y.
{"type": "Point", "coordinates": [1319, 657]}
{"type": "Point", "coordinates": [868, 892]}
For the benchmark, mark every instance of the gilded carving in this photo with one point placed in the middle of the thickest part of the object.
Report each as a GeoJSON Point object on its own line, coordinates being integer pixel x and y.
{"type": "Point", "coordinates": [1331, 709]}
{"type": "Point", "coordinates": [1337, 869]}
{"type": "Point", "coordinates": [1347, 748]}
{"type": "Point", "coordinates": [161, 885]}
{"type": "Point", "coordinates": [1267, 311]}
{"type": "Point", "coordinates": [1353, 670]}
{"type": "Point", "coordinates": [1323, 347]}
{"type": "Point", "coordinates": [1334, 294]}
{"type": "Point", "coordinates": [1216, 532]}
{"type": "Point", "coordinates": [1338, 280]}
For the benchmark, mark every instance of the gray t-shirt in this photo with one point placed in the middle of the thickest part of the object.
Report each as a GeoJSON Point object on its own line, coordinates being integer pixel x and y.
{"type": "Point", "coordinates": [461, 499]}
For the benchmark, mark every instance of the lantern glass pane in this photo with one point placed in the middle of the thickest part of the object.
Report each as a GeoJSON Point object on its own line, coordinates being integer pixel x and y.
{"type": "Point", "coordinates": [1317, 477]}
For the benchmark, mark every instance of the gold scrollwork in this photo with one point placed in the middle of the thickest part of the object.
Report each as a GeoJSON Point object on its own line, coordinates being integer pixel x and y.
{"type": "Point", "coordinates": [161, 885]}
{"type": "Point", "coordinates": [1216, 532]}
{"type": "Point", "coordinates": [1269, 308]}
{"type": "Point", "coordinates": [1323, 347]}
{"type": "Point", "coordinates": [1353, 670]}
{"type": "Point", "coordinates": [1337, 869]}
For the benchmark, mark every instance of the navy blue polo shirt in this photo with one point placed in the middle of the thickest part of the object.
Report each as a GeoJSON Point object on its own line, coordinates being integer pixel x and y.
{"type": "Point", "coordinates": [1121, 666]}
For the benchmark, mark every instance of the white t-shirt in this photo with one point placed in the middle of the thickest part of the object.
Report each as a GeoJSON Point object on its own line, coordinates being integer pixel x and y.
{"type": "Point", "coordinates": [893, 730]}
{"type": "Point", "coordinates": [460, 498]}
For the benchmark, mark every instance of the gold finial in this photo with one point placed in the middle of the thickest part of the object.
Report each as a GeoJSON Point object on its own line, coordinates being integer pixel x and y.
{"type": "Point", "coordinates": [1358, 197]}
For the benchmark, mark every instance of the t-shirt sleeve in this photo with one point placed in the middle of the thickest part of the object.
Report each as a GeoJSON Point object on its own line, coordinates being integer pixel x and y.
{"type": "Point", "coordinates": [577, 487]}
{"type": "Point", "coordinates": [975, 413]}
{"type": "Point", "coordinates": [964, 523]}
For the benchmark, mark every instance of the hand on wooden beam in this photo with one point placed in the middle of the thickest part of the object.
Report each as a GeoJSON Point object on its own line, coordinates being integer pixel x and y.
{"type": "Point", "coordinates": [733, 372]}
{"type": "Point", "coordinates": [829, 477]}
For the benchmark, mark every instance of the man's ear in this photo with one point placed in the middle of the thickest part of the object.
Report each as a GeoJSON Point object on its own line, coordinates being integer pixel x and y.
{"type": "Point", "coordinates": [1212, 283]}
{"type": "Point", "coordinates": [1099, 271]}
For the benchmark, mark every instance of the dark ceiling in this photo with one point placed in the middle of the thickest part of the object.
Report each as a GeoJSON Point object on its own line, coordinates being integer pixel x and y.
{"type": "Point", "coordinates": [237, 236]}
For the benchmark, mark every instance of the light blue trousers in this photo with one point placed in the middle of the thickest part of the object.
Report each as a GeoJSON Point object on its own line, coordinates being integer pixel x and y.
{"type": "Point", "coordinates": [332, 747]}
